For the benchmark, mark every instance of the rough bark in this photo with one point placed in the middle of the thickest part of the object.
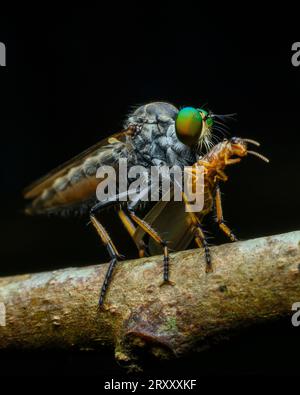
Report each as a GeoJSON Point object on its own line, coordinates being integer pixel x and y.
{"type": "Point", "coordinates": [252, 281]}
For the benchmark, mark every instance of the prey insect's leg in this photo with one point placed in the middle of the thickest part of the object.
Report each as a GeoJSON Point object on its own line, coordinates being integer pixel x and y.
{"type": "Point", "coordinates": [131, 229]}
{"type": "Point", "coordinates": [200, 238]}
{"type": "Point", "coordinates": [219, 213]}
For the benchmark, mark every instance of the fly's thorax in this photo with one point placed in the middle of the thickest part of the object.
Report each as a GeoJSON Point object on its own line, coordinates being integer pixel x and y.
{"type": "Point", "coordinates": [157, 144]}
{"type": "Point", "coordinates": [155, 141]}
{"type": "Point", "coordinates": [154, 112]}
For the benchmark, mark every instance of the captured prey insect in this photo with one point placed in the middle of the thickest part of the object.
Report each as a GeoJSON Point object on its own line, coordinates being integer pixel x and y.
{"type": "Point", "coordinates": [180, 225]}
{"type": "Point", "coordinates": [155, 134]}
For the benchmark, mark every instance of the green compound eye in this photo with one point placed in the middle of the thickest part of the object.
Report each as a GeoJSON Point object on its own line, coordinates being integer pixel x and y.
{"type": "Point", "coordinates": [205, 116]}
{"type": "Point", "coordinates": [188, 125]}
{"type": "Point", "coordinates": [209, 122]}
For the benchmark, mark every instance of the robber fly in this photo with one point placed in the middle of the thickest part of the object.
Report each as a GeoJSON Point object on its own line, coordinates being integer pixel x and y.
{"type": "Point", "coordinates": [155, 134]}
{"type": "Point", "coordinates": [181, 225]}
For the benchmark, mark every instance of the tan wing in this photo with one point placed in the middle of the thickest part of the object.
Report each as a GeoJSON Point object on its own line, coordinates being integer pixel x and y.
{"type": "Point", "coordinates": [172, 223]}
{"type": "Point", "coordinates": [44, 182]}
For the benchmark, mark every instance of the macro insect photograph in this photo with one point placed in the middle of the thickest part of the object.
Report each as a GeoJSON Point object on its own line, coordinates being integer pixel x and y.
{"type": "Point", "coordinates": [149, 196]}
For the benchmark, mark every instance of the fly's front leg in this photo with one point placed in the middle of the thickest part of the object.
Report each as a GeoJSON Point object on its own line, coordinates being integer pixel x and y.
{"type": "Point", "coordinates": [106, 240]}
{"type": "Point", "coordinates": [220, 219]}
{"type": "Point", "coordinates": [155, 236]}
{"type": "Point", "coordinates": [201, 242]}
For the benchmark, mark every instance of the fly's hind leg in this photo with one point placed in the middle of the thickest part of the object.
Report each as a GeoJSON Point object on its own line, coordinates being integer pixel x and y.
{"type": "Point", "coordinates": [107, 241]}
{"type": "Point", "coordinates": [113, 253]}
{"type": "Point", "coordinates": [219, 212]}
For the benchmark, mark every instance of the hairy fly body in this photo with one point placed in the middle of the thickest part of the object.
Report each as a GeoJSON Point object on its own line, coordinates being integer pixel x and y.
{"type": "Point", "coordinates": [155, 134]}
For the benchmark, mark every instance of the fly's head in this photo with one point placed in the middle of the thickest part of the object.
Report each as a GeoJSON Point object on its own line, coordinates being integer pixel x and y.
{"type": "Point", "coordinates": [194, 127]}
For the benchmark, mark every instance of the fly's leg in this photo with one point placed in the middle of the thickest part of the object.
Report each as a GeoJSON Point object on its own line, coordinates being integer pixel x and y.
{"type": "Point", "coordinates": [150, 231]}
{"type": "Point", "coordinates": [113, 253]}
{"type": "Point", "coordinates": [219, 213]}
{"type": "Point", "coordinates": [156, 237]}
{"type": "Point", "coordinates": [201, 242]}
{"type": "Point", "coordinates": [111, 249]}
{"type": "Point", "coordinates": [131, 229]}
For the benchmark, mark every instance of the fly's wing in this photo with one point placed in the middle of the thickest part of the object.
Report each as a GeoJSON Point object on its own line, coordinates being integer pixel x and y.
{"type": "Point", "coordinates": [36, 188]}
{"type": "Point", "coordinates": [172, 223]}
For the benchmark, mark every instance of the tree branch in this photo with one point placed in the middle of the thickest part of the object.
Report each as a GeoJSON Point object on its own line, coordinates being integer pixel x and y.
{"type": "Point", "coordinates": [252, 281]}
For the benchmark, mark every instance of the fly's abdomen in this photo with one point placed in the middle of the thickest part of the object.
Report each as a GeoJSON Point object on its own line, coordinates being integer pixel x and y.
{"type": "Point", "coordinates": [78, 185]}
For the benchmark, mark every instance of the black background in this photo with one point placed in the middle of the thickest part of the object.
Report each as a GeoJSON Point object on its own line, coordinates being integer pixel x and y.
{"type": "Point", "coordinates": [73, 75]}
